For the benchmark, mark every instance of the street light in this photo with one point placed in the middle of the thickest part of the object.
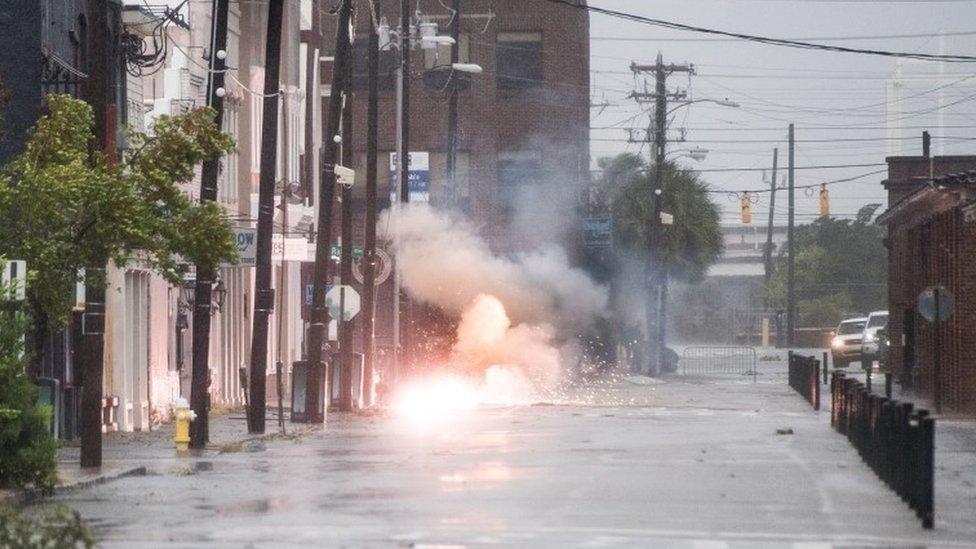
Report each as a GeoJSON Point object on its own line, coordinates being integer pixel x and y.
{"type": "Point", "coordinates": [469, 68]}
{"type": "Point", "coordinates": [721, 102]}
{"type": "Point", "coordinates": [430, 42]}
{"type": "Point", "coordinates": [694, 153]}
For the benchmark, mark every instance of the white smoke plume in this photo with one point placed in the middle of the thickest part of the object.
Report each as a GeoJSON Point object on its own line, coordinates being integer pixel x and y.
{"type": "Point", "coordinates": [517, 314]}
{"type": "Point", "coordinates": [444, 261]}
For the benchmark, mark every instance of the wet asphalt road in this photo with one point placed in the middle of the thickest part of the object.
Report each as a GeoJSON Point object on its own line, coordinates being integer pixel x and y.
{"type": "Point", "coordinates": [670, 464]}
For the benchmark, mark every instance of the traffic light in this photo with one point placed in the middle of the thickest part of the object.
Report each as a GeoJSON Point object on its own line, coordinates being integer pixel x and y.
{"type": "Point", "coordinates": [824, 201]}
{"type": "Point", "coordinates": [746, 212]}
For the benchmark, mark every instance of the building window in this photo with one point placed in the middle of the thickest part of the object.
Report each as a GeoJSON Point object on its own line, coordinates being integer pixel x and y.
{"type": "Point", "coordinates": [519, 60]}
{"type": "Point", "coordinates": [517, 172]}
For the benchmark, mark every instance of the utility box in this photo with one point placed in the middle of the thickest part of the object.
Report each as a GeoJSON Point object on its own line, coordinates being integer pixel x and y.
{"type": "Point", "coordinates": [336, 371]}
{"type": "Point", "coordinates": [49, 394]}
{"type": "Point", "coordinates": [299, 388]}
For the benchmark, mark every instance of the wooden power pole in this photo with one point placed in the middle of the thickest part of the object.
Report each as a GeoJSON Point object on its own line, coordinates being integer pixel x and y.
{"type": "Point", "coordinates": [263, 293]}
{"type": "Point", "coordinates": [92, 352]}
{"type": "Point", "coordinates": [315, 383]}
{"type": "Point", "coordinates": [203, 293]}
{"type": "Point", "coordinates": [369, 253]}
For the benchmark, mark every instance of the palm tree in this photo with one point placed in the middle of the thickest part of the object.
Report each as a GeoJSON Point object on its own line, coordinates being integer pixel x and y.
{"type": "Point", "coordinates": [691, 244]}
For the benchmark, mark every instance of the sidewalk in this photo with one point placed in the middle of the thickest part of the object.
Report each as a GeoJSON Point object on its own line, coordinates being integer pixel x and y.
{"type": "Point", "coordinates": [142, 453]}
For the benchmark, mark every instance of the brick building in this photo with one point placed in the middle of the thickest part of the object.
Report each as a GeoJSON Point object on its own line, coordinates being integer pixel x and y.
{"type": "Point", "coordinates": [931, 222]}
{"type": "Point", "coordinates": [523, 153]}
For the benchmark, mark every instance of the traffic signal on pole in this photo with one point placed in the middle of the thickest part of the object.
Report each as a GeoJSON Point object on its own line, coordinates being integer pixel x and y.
{"type": "Point", "coordinates": [746, 212]}
{"type": "Point", "coordinates": [824, 201]}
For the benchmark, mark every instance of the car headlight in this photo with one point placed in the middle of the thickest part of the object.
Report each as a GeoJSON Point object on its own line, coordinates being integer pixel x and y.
{"type": "Point", "coordinates": [868, 337]}
{"type": "Point", "coordinates": [837, 342]}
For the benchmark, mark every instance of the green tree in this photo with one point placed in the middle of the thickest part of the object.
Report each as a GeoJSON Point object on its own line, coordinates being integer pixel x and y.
{"type": "Point", "coordinates": [692, 243]}
{"type": "Point", "coordinates": [67, 207]}
{"type": "Point", "coordinates": [841, 269]}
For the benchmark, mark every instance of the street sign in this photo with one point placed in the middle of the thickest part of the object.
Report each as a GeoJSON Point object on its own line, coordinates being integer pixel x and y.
{"type": "Point", "coordinates": [927, 304]}
{"type": "Point", "coordinates": [247, 246]}
{"type": "Point", "coordinates": [357, 252]}
{"type": "Point", "coordinates": [15, 276]}
{"type": "Point", "coordinates": [419, 176]}
{"type": "Point", "coordinates": [345, 298]}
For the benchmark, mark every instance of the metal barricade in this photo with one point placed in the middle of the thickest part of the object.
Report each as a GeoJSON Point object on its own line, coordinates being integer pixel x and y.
{"type": "Point", "coordinates": [705, 360]}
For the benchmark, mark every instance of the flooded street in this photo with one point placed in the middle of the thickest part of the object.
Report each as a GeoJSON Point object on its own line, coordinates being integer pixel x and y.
{"type": "Point", "coordinates": [698, 463]}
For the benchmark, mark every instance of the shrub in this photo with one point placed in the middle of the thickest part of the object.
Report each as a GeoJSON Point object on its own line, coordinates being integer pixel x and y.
{"type": "Point", "coordinates": [57, 528]}
{"type": "Point", "coordinates": [28, 452]}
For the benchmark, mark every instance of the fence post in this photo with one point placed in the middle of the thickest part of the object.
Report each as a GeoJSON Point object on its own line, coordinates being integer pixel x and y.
{"type": "Point", "coordinates": [813, 374]}
{"type": "Point", "coordinates": [825, 367]}
{"type": "Point", "coordinates": [888, 377]}
{"type": "Point", "coordinates": [926, 493]}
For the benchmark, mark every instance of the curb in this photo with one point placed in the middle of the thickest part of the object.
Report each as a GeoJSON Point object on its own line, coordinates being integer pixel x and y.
{"type": "Point", "coordinates": [25, 497]}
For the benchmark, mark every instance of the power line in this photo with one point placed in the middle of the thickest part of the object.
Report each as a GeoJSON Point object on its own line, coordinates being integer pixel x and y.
{"type": "Point", "coordinates": [815, 38]}
{"type": "Point", "coordinates": [835, 140]}
{"type": "Point", "coordinates": [762, 39]}
{"type": "Point", "coordinates": [810, 186]}
{"type": "Point", "coordinates": [821, 167]}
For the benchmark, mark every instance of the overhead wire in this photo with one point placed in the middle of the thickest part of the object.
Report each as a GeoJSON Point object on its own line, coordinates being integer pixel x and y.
{"type": "Point", "coordinates": [799, 44]}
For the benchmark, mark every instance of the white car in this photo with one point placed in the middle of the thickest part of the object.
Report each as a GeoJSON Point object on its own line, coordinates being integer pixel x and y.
{"type": "Point", "coordinates": [869, 346]}
{"type": "Point", "coordinates": [845, 347]}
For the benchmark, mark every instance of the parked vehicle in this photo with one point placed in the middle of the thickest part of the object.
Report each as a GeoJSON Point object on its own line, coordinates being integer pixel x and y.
{"type": "Point", "coordinates": [869, 345]}
{"type": "Point", "coordinates": [846, 344]}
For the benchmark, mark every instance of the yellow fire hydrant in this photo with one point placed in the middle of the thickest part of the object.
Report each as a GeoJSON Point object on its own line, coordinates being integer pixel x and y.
{"type": "Point", "coordinates": [182, 415]}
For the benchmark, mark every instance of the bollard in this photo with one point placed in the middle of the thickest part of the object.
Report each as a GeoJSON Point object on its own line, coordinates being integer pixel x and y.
{"type": "Point", "coordinates": [888, 379]}
{"type": "Point", "coordinates": [182, 416]}
{"type": "Point", "coordinates": [925, 504]}
{"type": "Point", "coordinates": [825, 367]}
{"type": "Point", "coordinates": [815, 381]}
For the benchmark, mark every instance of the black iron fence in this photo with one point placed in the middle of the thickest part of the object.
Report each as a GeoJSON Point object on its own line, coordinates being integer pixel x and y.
{"type": "Point", "coordinates": [895, 440]}
{"type": "Point", "coordinates": [805, 377]}
{"type": "Point", "coordinates": [718, 360]}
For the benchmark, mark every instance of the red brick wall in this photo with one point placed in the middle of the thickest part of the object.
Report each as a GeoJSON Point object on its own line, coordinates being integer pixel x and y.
{"type": "Point", "coordinates": [907, 173]}
{"type": "Point", "coordinates": [553, 118]}
{"type": "Point", "coordinates": [940, 251]}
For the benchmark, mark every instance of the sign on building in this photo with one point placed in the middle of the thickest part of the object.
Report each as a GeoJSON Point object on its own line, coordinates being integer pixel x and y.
{"type": "Point", "coordinates": [598, 232]}
{"type": "Point", "coordinates": [289, 249]}
{"type": "Point", "coordinates": [247, 246]}
{"type": "Point", "coordinates": [419, 176]}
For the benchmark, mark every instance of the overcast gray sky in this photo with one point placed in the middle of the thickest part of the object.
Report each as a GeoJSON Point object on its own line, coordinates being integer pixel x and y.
{"type": "Point", "coordinates": [829, 96]}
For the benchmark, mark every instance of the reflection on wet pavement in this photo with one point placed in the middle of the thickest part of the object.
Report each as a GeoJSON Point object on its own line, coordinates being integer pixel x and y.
{"type": "Point", "coordinates": [535, 476]}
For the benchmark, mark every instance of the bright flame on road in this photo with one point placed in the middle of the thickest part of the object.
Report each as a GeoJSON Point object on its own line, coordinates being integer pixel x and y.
{"type": "Point", "coordinates": [432, 400]}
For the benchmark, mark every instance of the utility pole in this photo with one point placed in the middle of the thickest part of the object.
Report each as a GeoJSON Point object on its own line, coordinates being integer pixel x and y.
{"type": "Point", "coordinates": [790, 246]}
{"type": "Point", "coordinates": [316, 378]}
{"type": "Point", "coordinates": [655, 307]}
{"type": "Point", "coordinates": [401, 315]}
{"type": "Point", "coordinates": [203, 293]}
{"type": "Point", "coordinates": [768, 254]}
{"type": "Point", "coordinates": [263, 293]}
{"type": "Point", "coordinates": [369, 274]}
{"type": "Point", "coordinates": [93, 324]}
{"type": "Point", "coordinates": [345, 257]}
{"type": "Point", "coordinates": [452, 105]}
{"type": "Point", "coordinates": [282, 270]}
